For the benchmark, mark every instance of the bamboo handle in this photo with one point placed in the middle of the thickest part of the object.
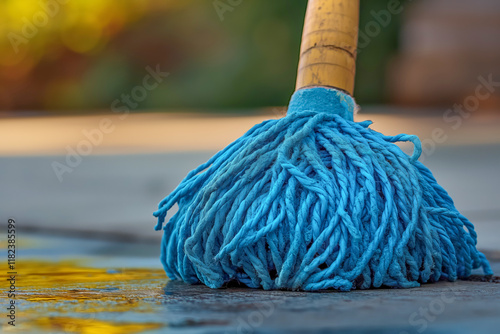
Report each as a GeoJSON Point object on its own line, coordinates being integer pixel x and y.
{"type": "Point", "coordinates": [329, 43]}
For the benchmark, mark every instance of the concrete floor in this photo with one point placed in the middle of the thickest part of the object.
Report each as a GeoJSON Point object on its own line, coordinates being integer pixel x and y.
{"type": "Point", "coordinates": [75, 285]}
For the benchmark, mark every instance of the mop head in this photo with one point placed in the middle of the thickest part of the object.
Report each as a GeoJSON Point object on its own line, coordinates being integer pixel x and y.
{"type": "Point", "coordinates": [314, 201]}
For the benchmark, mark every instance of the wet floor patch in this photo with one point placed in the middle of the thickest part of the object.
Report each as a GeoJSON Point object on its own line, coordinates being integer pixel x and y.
{"type": "Point", "coordinates": [68, 297]}
{"type": "Point", "coordinates": [90, 326]}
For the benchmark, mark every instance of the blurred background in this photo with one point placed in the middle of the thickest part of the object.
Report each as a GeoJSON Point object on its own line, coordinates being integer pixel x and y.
{"type": "Point", "coordinates": [106, 105]}
{"type": "Point", "coordinates": [77, 56]}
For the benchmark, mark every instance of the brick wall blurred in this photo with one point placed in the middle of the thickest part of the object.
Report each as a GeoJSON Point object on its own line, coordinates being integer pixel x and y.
{"type": "Point", "coordinates": [445, 46]}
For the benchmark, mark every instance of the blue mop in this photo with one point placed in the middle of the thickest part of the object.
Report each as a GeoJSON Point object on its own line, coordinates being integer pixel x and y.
{"type": "Point", "coordinates": [315, 200]}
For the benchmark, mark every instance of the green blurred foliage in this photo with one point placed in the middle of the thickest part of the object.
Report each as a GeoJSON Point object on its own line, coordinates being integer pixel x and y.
{"type": "Point", "coordinates": [246, 60]}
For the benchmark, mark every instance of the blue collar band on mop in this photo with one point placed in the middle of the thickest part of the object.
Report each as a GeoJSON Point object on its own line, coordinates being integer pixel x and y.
{"type": "Point", "coordinates": [321, 99]}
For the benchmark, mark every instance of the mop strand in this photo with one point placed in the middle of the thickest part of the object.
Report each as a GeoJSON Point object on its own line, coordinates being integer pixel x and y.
{"type": "Point", "coordinates": [314, 201]}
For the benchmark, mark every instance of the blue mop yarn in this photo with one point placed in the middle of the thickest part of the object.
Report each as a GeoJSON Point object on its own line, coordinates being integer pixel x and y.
{"type": "Point", "coordinates": [314, 201]}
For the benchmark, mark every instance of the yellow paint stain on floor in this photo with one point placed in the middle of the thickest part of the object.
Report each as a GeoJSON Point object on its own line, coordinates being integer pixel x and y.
{"type": "Point", "coordinates": [124, 300]}
{"type": "Point", "coordinates": [91, 326]}
{"type": "Point", "coordinates": [33, 273]}
{"type": "Point", "coordinates": [82, 299]}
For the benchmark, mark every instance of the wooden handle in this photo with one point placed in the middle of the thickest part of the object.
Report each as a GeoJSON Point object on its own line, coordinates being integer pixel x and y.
{"type": "Point", "coordinates": [329, 43]}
